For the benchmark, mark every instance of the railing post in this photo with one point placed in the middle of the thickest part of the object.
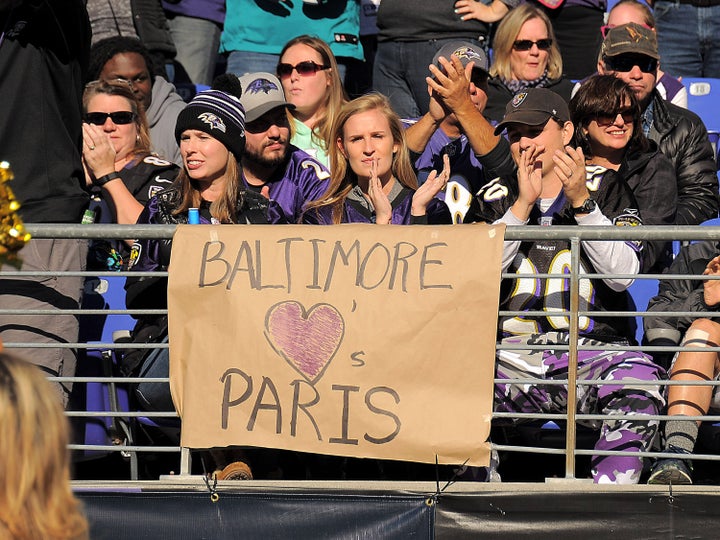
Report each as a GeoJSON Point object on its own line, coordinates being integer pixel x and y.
{"type": "Point", "coordinates": [572, 357]}
{"type": "Point", "coordinates": [185, 461]}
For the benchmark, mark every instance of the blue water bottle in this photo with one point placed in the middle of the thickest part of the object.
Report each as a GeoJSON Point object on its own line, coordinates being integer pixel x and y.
{"type": "Point", "coordinates": [193, 216]}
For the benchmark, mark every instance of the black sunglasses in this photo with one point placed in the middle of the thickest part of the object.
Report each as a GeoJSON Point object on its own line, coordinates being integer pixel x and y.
{"type": "Point", "coordinates": [305, 69]}
{"type": "Point", "coordinates": [118, 117]}
{"type": "Point", "coordinates": [604, 120]}
{"type": "Point", "coordinates": [526, 44]}
{"type": "Point", "coordinates": [626, 63]}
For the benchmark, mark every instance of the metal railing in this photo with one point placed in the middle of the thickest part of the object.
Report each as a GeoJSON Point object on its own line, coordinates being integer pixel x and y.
{"type": "Point", "coordinates": [121, 439]}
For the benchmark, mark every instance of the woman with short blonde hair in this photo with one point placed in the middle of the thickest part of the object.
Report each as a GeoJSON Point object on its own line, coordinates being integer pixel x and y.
{"type": "Point", "coordinates": [525, 55]}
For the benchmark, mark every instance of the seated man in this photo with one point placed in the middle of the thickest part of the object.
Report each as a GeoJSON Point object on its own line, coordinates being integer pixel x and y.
{"type": "Point", "coordinates": [455, 126]}
{"type": "Point", "coordinates": [127, 59]}
{"type": "Point", "coordinates": [630, 52]}
{"type": "Point", "coordinates": [698, 364]}
{"type": "Point", "coordinates": [550, 189]}
{"type": "Point", "coordinates": [270, 164]}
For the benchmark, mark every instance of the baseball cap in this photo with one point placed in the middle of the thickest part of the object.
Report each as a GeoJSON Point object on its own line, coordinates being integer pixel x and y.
{"type": "Point", "coordinates": [261, 92]}
{"type": "Point", "coordinates": [533, 107]}
{"type": "Point", "coordinates": [630, 38]}
{"type": "Point", "coordinates": [466, 52]}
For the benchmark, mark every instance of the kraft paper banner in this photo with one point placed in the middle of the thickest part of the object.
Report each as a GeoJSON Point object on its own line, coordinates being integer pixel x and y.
{"type": "Point", "coordinates": [352, 340]}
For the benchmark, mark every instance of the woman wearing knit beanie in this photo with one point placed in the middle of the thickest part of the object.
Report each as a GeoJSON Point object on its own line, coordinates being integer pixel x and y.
{"type": "Point", "coordinates": [211, 135]}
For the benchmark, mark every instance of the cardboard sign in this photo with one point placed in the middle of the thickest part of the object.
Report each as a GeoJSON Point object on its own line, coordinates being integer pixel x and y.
{"type": "Point", "coordinates": [351, 340]}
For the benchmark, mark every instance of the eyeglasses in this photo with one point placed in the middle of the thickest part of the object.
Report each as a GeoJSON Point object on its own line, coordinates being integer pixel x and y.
{"type": "Point", "coordinates": [604, 120]}
{"type": "Point", "coordinates": [625, 63]}
{"type": "Point", "coordinates": [118, 117]}
{"type": "Point", "coordinates": [604, 29]}
{"type": "Point", "coordinates": [305, 69]}
{"type": "Point", "coordinates": [526, 44]}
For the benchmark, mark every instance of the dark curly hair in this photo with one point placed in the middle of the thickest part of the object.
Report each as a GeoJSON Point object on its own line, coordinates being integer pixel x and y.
{"type": "Point", "coordinates": [105, 49]}
{"type": "Point", "coordinates": [605, 95]}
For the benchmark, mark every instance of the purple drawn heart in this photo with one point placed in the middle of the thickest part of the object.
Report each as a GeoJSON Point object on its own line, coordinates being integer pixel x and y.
{"type": "Point", "coordinates": [307, 340]}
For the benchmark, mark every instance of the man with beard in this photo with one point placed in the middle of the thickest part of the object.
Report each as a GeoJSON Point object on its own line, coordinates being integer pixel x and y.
{"type": "Point", "coordinates": [271, 165]}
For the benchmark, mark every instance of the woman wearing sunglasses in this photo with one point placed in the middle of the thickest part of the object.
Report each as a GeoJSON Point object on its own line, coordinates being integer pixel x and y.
{"type": "Point", "coordinates": [116, 150]}
{"type": "Point", "coordinates": [608, 128]}
{"type": "Point", "coordinates": [372, 179]}
{"type": "Point", "coordinates": [309, 74]}
{"type": "Point", "coordinates": [525, 56]}
{"type": "Point", "coordinates": [118, 164]}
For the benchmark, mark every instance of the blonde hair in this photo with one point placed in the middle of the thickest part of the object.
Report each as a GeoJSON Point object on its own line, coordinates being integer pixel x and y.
{"type": "Point", "coordinates": [36, 501]}
{"type": "Point", "coordinates": [124, 90]}
{"type": "Point", "coordinates": [342, 177]}
{"type": "Point", "coordinates": [225, 208]}
{"type": "Point", "coordinates": [335, 97]}
{"type": "Point", "coordinates": [506, 34]}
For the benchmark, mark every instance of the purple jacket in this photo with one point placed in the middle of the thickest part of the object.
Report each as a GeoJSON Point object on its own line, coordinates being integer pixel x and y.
{"type": "Point", "coordinates": [304, 179]}
{"type": "Point", "coordinates": [437, 212]}
{"type": "Point", "coordinates": [150, 255]}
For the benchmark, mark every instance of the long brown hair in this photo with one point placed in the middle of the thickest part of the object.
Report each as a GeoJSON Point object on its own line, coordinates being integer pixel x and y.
{"type": "Point", "coordinates": [124, 90]}
{"type": "Point", "coordinates": [225, 208]}
{"type": "Point", "coordinates": [36, 500]}
{"type": "Point", "coordinates": [506, 34]}
{"type": "Point", "coordinates": [342, 177]}
{"type": "Point", "coordinates": [335, 97]}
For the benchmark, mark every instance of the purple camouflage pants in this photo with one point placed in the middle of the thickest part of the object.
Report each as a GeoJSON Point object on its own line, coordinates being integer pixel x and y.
{"type": "Point", "coordinates": [620, 433]}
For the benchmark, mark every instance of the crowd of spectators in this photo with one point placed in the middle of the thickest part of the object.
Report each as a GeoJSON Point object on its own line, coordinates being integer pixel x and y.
{"type": "Point", "coordinates": [506, 112]}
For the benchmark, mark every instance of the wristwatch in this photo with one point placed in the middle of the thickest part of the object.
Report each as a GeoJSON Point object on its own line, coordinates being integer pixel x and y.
{"type": "Point", "coordinates": [588, 206]}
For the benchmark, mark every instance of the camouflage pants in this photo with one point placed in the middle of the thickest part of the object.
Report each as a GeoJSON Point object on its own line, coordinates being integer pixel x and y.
{"type": "Point", "coordinates": [615, 400]}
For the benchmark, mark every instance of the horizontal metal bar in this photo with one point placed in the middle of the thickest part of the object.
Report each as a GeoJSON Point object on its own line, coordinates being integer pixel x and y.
{"type": "Point", "coordinates": [655, 232]}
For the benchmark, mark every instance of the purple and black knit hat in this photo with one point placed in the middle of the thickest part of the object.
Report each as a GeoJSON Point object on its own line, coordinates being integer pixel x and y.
{"type": "Point", "coordinates": [218, 114]}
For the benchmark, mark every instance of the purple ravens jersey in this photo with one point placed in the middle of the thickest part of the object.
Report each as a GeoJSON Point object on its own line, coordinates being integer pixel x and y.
{"type": "Point", "coordinates": [353, 212]}
{"type": "Point", "coordinates": [303, 179]}
{"type": "Point", "coordinates": [467, 175]}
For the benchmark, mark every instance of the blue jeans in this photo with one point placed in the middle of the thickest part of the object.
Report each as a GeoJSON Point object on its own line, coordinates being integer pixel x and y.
{"type": "Point", "coordinates": [155, 396]}
{"type": "Point", "coordinates": [688, 39]}
{"type": "Point", "coordinates": [242, 62]}
{"type": "Point", "coordinates": [400, 70]}
{"type": "Point", "coordinates": [197, 42]}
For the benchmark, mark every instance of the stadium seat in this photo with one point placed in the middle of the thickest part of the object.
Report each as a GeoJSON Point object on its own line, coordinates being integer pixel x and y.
{"type": "Point", "coordinates": [677, 245]}
{"type": "Point", "coordinates": [101, 293]}
{"type": "Point", "coordinates": [641, 291]}
{"type": "Point", "coordinates": [703, 97]}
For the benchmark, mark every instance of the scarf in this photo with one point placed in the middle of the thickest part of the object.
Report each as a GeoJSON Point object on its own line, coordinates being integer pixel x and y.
{"type": "Point", "coordinates": [516, 86]}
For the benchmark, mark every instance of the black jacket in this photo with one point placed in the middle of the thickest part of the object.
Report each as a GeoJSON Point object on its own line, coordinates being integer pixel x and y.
{"type": "Point", "coordinates": [152, 28]}
{"type": "Point", "coordinates": [683, 138]}
{"type": "Point", "coordinates": [43, 58]}
{"type": "Point", "coordinates": [680, 294]}
{"type": "Point", "coordinates": [651, 178]}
